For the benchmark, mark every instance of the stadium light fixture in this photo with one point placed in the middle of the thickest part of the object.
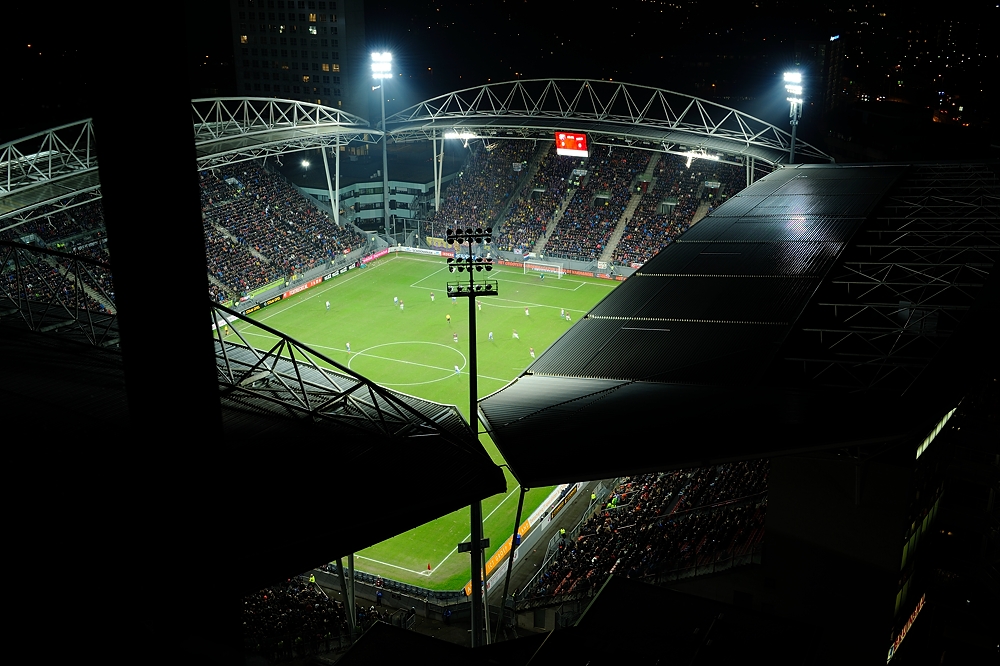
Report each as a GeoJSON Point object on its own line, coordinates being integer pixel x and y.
{"type": "Point", "coordinates": [793, 86]}
{"type": "Point", "coordinates": [472, 290]}
{"type": "Point", "coordinates": [381, 71]}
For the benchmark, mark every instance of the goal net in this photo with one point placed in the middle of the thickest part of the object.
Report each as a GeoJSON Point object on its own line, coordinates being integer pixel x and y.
{"type": "Point", "coordinates": [543, 267]}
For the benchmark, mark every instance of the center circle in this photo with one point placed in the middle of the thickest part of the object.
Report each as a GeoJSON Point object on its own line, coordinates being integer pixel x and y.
{"type": "Point", "coordinates": [422, 362]}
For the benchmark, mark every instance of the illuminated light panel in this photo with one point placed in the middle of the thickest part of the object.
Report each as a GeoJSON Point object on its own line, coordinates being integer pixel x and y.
{"type": "Point", "coordinates": [571, 144]}
{"type": "Point", "coordinates": [934, 433]}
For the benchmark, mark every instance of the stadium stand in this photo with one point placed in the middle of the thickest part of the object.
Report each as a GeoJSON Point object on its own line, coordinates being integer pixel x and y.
{"type": "Point", "coordinates": [478, 195]}
{"type": "Point", "coordinates": [661, 522]}
{"type": "Point", "coordinates": [593, 214]}
{"type": "Point", "coordinates": [293, 620]}
{"type": "Point", "coordinates": [648, 231]}
{"type": "Point", "coordinates": [258, 228]}
{"type": "Point", "coordinates": [58, 228]}
{"type": "Point", "coordinates": [537, 205]}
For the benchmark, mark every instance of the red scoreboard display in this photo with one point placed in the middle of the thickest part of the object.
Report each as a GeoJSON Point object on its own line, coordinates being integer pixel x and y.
{"type": "Point", "coordinates": [569, 143]}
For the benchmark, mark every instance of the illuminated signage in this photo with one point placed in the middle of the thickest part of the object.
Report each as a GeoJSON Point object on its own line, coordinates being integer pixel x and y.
{"type": "Point", "coordinates": [906, 628]}
{"type": "Point", "coordinates": [574, 145]}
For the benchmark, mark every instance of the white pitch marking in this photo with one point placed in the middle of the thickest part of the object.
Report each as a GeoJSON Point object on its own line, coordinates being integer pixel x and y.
{"type": "Point", "coordinates": [469, 536]}
{"type": "Point", "coordinates": [394, 566]}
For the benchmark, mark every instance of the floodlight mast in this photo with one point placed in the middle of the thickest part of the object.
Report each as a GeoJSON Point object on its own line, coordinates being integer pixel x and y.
{"type": "Point", "coordinates": [793, 85]}
{"type": "Point", "coordinates": [381, 71]}
{"type": "Point", "coordinates": [473, 291]}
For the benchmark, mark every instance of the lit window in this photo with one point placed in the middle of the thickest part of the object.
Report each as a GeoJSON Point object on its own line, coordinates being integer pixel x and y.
{"type": "Point", "coordinates": [305, 79]}
{"type": "Point", "coordinates": [312, 30]}
{"type": "Point", "coordinates": [243, 39]}
{"type": "Point", "coordinates": [282, 29]}
{"type": "Point", "coordinates": [326, 67]}
{"type": "Point", "coordinates": [312, 18]}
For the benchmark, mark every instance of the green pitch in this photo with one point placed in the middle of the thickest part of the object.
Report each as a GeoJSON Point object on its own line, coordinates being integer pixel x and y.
{"type": "Point", "coordinates": [412, 349]}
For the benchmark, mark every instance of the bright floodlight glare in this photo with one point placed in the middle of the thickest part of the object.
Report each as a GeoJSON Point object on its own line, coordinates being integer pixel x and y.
{"type": "Point", "coordinates": [381, 65]}
{"type": "Point", "coordinates": [305, 163]}
{"type": "Point", "coordinates": [794, 89]}
{"type": "Point", "coordinates": [459, 135]}
{"type": "Point", "coordinates": [793, 77]}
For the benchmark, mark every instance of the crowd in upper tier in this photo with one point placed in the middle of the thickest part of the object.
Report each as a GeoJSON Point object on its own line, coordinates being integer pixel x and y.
{"type": "Point", "coordinates": [534, 209]}
{"type": "Point", "coordinates": [478, 195]}
{"type": "Point", "coordinates": [592, 215]}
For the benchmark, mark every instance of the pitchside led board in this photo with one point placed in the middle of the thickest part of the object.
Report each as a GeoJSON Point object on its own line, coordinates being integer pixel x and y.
{"type": "Point", "coordinates": [572, 144]}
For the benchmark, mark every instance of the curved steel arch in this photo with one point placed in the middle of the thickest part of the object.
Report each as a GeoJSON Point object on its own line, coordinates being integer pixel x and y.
{"type": "Point", "coordinates": [235, 129]}
{"type": "Point", "coordinates": [48, 168]}
{"type": "Point", "coordinates": [608, 111]}
{"type": "Point", "coordinates": [58, 167]}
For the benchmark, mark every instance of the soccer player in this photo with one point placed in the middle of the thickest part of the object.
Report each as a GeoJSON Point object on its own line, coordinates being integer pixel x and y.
{"type": "Point", "coordinates": [448, 319]}
{"type": "Point", "coordinates": [491, 335]}
{"type": "Point", "coordinates": [526, 312]}
{"type": "Point", "coordinates": [454, 337]}
{"type": "Point", "coordinates": [395, 300]}
{"type": "Point", "coordinates": [454, 300]}
{"type": "Point", "coordinates": [567, 316]}
{"type": "Point", "coordinates": [225, 328]}
{"type": "Point", "coordinates": [541, 276]}
{"type": "Point", "coordinates": [328, 306]}
{"type": "Point", "coordinates": [401, 306]}
{"type": "Point", "coordinates": [562, 313]}
{"type": "Point", "coordinates": [479, 304]}
{"type": "Point", "coordinates": [432, 297]}
{"type": "Point", "coordinates": [531, 350]}
{"type": "Point", "coordinates": [348, 347]}
{"type": "Point", "coordinates": [457, 371]}
{"type": "Point", "coordinates": [516, 336]}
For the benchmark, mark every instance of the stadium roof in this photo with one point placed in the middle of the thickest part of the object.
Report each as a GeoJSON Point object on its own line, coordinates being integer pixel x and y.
{"type": "Point", "coordinates": [822, 307]}
{"type": "Point", "coordinates": [609, 112]}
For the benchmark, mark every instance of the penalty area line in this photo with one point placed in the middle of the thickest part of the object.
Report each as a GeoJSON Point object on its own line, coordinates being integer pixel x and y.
{"type": "Point", "coordinates": [394, 566]}
{"type": "Point", "coordinates": [469, 536]}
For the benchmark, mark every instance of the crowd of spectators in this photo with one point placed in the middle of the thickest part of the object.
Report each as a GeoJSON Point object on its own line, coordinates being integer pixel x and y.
{"type": "Point", "coordinates": [592, 215]}
{"type": "Point", "coordinates": [292, 620]}
{"type": "Point", "coordinates": [480, 192]}
{"type": "Point", "coordinates": [648, 230]}
{"type": "Point", "coordinates": [259, 228]}
{"type": "Point", "coordinates": [531, 213]}
{"type": "Point", "coordinates": [52, 225]}
{"type": "Point", "coordinates": [662, 522]}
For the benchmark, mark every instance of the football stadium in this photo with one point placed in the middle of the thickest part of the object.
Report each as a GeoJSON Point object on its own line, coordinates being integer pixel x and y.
{"type": "Point", "coordinates": [613, 347]}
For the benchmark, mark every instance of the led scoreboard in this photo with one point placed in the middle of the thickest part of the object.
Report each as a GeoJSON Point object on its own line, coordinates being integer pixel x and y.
{"type": "Point", "coordinates": [569, 143]}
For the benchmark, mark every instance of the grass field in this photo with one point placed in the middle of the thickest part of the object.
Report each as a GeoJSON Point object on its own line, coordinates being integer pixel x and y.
{"type": "Point", "coordinates": [412, 350]}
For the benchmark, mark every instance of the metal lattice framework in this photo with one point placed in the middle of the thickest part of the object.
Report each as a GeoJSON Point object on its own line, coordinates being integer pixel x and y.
{"type": "Point", "coordinates": [57, 292]}
{"type": "Point", "coordinates": [236, 129]}
{"type": "Point", "coordinates": [299, 380]}
{"type": "Point", "coordinates": [57, 167]}
{"type": "Point", "coordinates": [609, 112]}
{"type": "Point", "coordinates": [899, 296]}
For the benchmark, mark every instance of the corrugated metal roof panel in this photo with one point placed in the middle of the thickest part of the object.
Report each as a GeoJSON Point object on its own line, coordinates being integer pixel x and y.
{"type": "Point", "coordinates": [800, 204]}
{"type": "Point", "coordinates": [763, 230]}
{"type": "Point", "coordinates": [720, 258]}
{"type": "Point", "coordinates": [630, 296]}
{"type": "Point", "coordinates": [709, 354]}
{"type": "Point", "coordinates": [738, 206]}
{"type": "Point", "coordinates": [570, 354]}
{"type": "Point", "coordinates": [727, 299]}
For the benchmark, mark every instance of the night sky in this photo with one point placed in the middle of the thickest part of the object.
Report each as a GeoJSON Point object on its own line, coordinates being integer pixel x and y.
{"type": "Point", "coordinates": [730, 52]}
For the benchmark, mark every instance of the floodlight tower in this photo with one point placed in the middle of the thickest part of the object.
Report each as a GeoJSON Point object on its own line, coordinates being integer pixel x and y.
{"type": "Point", "coordinates": [793, 85]}
{"type": "Point", "coordinates": [473, 291]}
{"type": "Point", "coordinates": [381, 71]}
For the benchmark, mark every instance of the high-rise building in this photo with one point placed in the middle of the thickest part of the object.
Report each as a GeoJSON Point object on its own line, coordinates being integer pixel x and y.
{"type": "Point", "coordinates": [308, 50]}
